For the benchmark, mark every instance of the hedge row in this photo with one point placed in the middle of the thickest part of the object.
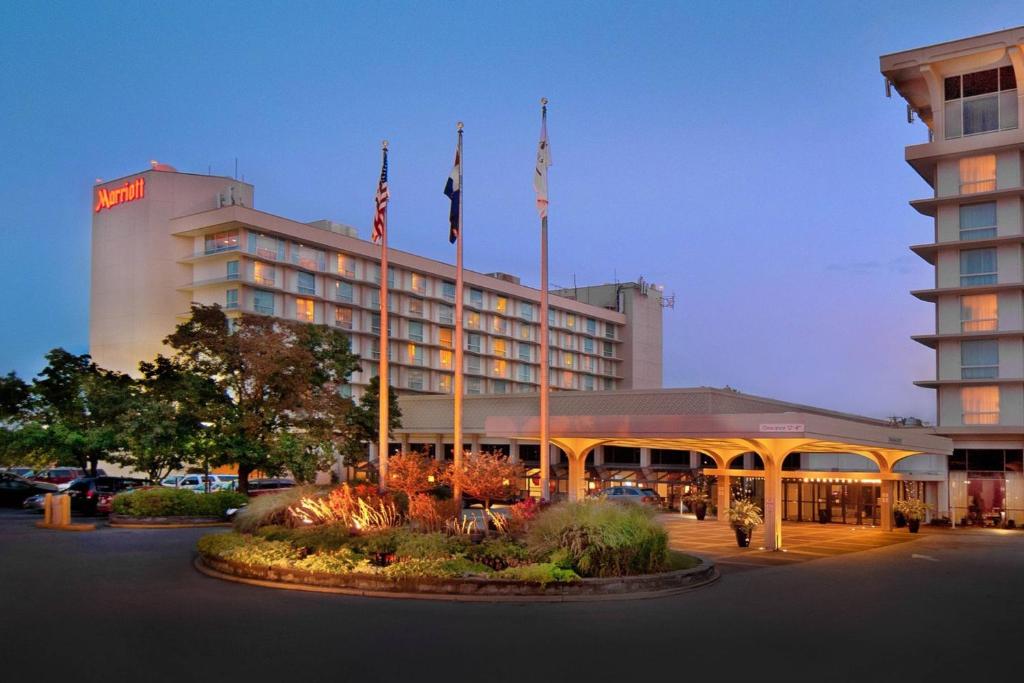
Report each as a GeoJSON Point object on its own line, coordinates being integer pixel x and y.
{"type": "Point", "coordinates": [168, 502]}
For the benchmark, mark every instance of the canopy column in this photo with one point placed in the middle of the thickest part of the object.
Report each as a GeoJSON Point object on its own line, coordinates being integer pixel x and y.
{"type": "Point", "coordinates": [576, 451]}
{"type": "Point", "coordinates": [724, 485]}
{"type": "Point", "coordinates": [772, 505]}
{"type": "Point", "coordinates": [439, 447]}
{"type": "Point", "coordinates": [886, 508]}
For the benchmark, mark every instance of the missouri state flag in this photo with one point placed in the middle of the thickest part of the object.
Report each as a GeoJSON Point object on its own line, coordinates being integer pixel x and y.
{"type": "Point", "coordinates": [453, 190]}
{"type": "Point", "coordinates": [540, 174]}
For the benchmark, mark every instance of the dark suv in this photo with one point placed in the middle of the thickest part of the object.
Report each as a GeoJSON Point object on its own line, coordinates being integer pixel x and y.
{"type": "Point", "coordinates": [92, 495]}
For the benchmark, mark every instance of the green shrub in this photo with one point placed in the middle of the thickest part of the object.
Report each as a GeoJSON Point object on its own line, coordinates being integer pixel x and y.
{"type": "Point", "coordinates": [436, 568]}
{"type": "Point", "coordinates": [419, 546]}
{"type": "Point", "coordinates": [272, 508]}
{"type": "Point", "coordinates": [599, 538]}
{"type": "Point", "coordinates": [326, 537]}
{"type": "Point", "coordinates": [498, 553]}
{"type": "Point", "coordinates": [246, 549]}
{"type": "Point", "coordinates": [339, 561]}
{"type": "Point", "coordinates": [168, 502]}
{"type": "Point", "coordinates": [542, 573]}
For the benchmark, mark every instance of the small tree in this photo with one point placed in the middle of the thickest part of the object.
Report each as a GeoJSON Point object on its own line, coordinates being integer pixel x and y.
{"type": "Point", "coordinates": [412, 473]}
{"type": "Point", "coordinates": [486, 476]}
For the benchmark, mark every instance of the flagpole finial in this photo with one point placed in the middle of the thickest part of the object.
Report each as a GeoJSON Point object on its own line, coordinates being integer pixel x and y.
{"type": "Point", "coordinates": [383, 144]}
{"type": "Point", "coordinates": [458, 126]}
{"type": "Point", "coordinates": [543, 101]}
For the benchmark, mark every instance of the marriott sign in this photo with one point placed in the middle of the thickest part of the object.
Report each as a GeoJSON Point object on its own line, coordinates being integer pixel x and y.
{"type": "Point", "coordinates": [129, 192]}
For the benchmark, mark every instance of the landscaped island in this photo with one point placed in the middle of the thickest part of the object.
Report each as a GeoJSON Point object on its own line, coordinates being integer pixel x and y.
{"type": "Point", "coordinates": [355, 540]}
{"type": "Point", "coordinates": [173, 507]}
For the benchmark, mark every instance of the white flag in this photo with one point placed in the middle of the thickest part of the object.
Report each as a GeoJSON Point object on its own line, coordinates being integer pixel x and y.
{"type": "Point", "coordinates": [540, 175]}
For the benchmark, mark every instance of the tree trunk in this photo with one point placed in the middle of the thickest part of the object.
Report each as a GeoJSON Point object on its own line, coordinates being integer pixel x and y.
{"type": "Point", "coordinates": [93, 463]}
{"type": "Point", "coordinates": [243, 478]}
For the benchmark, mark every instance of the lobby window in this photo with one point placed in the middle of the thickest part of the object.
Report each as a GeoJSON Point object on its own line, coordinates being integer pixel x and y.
{"type": "Point", "coordinates": [472, 320]}
{"type": "Point", "coordinates": [222, 241]}
{"type": "Point", "coordinates": [499, 386]}
{"type": "Point", "coordinates": [446, 359]}
{"type": "Point", "coordinates": [264, 274]}
{"type": "Point", "coordinates": [414, 354]}
{"type": "Point", "coordinates": [979, 359]}
{"type": "Point", "coordinates": [980, 405]}
{"type": "Point", "coordinates": [978, 221]}
{"type": "Point", "coordinates": [446, 314]}
{"type": "Point", "coordinates": [415, 330]}
{"type": "Point", "coordinates": [448, 291]}
{"type": "Point", "coordinates": [306, 283]}
{"type": "Point", "coordinates": [473, 385]}
{"type": "Point", "coordinates": [981, 102]}
{"type": "Point", "coordinates": [346, 266]}
{"type": "Point", "coordinates": [308, 257]}
{"type": "Point", "coordinates": [526, 310]}
{"type": "Point", "coordinates": [979, 313]}
{"type": "Point", "coordinates": [588, 345]}
{"type": "Point", "coordinates": [416, 380]}
{"type": "Point", "coordinates": [418, 283]}
{"type": "Point", "coordinates": [978, 174]}
{"type": "Point", "coordinates": [591, 326]}
{"type": "Point", "coordinates": [265, 246]}
{"type": "Point", "coordinates": [499, 325]}
{"type": "Point", "coordinates": [473, 364]}
{"type": "Point", "coordinates": [304, 310]}
{"type": "Point", "coordinates": [232, 270]}
{"type": "Point", "coordinates": [263, 302]}
{"type": "Point", "coordinates": [444, 337]}
{"type": "Point", "coordinates": [501, 304]}
{"type": "Point", "coordinates": [473, 342]}
{"type": "Point", "coordinates": [476, 298]}
{"type": "Point", "coordinates": [978, 267]}
{"type": "Point", "coordinates": [499, 348]}
{"type": "Point", "coordinates": [343, 292]}
{"type": "Point", "coordinates": [525, 352]}
{"type": "Point", "coordinates": [500, 368]}
{"type": "Point", "coordinates": [231, 299]}
{"type": "Point", "coordinates": [343, 318]}
{"type": "Point", "coordinates": [444, 384]}
{"type": "Point", "coordinates": [416, 307]}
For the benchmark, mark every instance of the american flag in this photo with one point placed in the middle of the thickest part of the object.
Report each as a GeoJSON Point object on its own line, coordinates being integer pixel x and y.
{"type": "Point", "coordinates": [380, 218]}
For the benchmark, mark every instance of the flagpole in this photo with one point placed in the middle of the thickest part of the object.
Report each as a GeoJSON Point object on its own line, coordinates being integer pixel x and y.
{"type": "Point", "coordinates": [545, 435]}
{"type": "Point", "coordinates": [383, 374]}
{"type": "Point", "coordinates": [458, 388]}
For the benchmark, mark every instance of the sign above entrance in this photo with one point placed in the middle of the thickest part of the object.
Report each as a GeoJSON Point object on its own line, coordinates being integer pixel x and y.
{"type": "Point", "coordinates": [784, 428]}
{"type": "Point", "coordinates": [129, 192]}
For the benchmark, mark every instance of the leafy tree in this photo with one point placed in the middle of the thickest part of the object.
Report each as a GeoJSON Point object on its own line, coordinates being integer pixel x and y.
{"type": "Point", "coordinates": [486, 476]}
{"type": "Point", "coordinates": [277, 385]}
{"type": "Point", "coordinates": [14, 396]}
{"type": "Point", "coordinates": [412, 473]}
{"type": "Point", "coordinates": [364, 420]}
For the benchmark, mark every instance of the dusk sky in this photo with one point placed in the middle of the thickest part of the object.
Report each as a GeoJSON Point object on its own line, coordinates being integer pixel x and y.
{"type": "Point", "coordinates": [742, 154]}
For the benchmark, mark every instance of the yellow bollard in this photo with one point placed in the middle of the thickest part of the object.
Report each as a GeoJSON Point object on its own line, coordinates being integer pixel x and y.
{"type": "Point", "coordinates": [48, 509]}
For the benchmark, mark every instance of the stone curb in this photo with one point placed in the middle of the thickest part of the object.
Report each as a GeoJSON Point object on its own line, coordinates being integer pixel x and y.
{"type": "Point", "coordinates": [125, 522]}
{"type": "Point", "coordinates": [465, 590]}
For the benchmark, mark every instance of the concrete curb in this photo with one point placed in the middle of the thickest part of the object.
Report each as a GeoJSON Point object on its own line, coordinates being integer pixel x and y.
{"type": "Point", "coordinates": [66, 527]}
{"type": "Point", "coordinates": [124, 522]}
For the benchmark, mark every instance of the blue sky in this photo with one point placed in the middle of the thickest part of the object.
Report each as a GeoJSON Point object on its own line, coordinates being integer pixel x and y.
{"type": "Point", "coordinates": [742, 154]}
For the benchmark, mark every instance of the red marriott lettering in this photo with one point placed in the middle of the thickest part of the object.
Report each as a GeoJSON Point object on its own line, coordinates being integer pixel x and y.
{"type": "Point", "coordinates": [128, 192]}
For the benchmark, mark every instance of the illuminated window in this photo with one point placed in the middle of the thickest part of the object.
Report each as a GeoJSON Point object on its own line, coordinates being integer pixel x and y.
{"type": "Point", "coordinates": [308, 257]}
{"type": "Point", "coordinates": [570, 321]}
{"type": "Point", "coordinates": [448, 290]}
{"type": "Point", "coordinates": [978, 174]}
{"type": "Point", "coordinates": [305, 283]}
{"type": "Point", "coordinates": [472, 320]}
{"type": "Point", "coordinates": [343, 291]}
{"type": "Point", "coordinates": [346, 265]}
{"type": "Point", "coordinates": [232, 270]}
{"type": "Point", "coordinates": [263, 302]}
{"type": "Point", "coordinates": [980, 405]}
{"type": "Point", "coordinates": [415, 330]}
{"type": "Point", "coordinates": [418, 283]}
{"type": "Point", "coordinates": [978, 221]}
{"type": "Point", "coordinates": [499, 347]}
{"type": "Point", "coordinates": [473, 342]}
{"type": "Point", "coordinates": [567, 360]}
{"type": "Point", "coordinates": [499, 325]}
{"type": "Point", "coordinates": [416, 307]}
{"type": "Point", "coordinates": [444, 384]}
{"type": "Point", "coordinates": [979, 313]}
{"type": "Point", "coordinates": [446, 359]}
{"type": "Point", "coordinates": [415, 354]}
{"type": "Point", "coordinates": [979, 359]}
{"type": "Point", "coordinates": [304, 310]}
{"type": "Point", "coordinates": [476, 298]}
{"type": "Point", "coordinates": [264, 274]}
{"type": "Point", "coordinates": [222, 241]}
{"type": "Point", "coordinates": [444, 337]}
{"type": "Point", "coordinates": [981, 102]}
{"type": "Point", "coordinates": [416, 380]}
{"type": "Point", "coordinates": [499, 368]}
{"type": "Point", "coordinates": [231, 299]}
{"type": "Point", "coordinates": [978, 267]}
{"type": "Point", "coordinates": [343, 318]}
{"type": "Point", "coordinates": [500, 304]}
{"type": "Point", "coordinates": [524, 332]}
{"type": "Point", "coordinates": [265, 246]}
{"type": "Point", "coordinates": [446, 314]}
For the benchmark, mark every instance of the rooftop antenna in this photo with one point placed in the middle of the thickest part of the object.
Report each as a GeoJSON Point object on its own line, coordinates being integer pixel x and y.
{"type": "Point", "coordinates": [910, 114]}
{"type": "Point", "coordinates": [236, 168]}
{"type": "Point", "coordinates": [888, 88]}
{"type": "Point", "coordinates": [669, 301]}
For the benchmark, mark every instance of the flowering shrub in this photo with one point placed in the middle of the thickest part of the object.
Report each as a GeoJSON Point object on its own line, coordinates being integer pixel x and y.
{"type": "Point", "coordinates": [358, 507]}
{"type": "Point", "coordinates": [429, 514]}
{"type": "Point", "coordinates": [413, 473]}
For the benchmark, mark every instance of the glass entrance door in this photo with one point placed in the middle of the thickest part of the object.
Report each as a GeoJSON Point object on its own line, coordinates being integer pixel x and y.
{"type": "Point", "coordinates": [853, 503]}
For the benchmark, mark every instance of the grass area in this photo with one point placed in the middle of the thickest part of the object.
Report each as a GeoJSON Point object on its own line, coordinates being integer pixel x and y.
{"type": "Point", "coordinates": [678, 560]}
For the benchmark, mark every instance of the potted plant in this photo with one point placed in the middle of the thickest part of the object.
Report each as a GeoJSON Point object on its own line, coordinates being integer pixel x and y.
{"type": "Point", "coordinates": [743, 517]}
{"type": "Point", "coordinates": [914, 510]}
{"type": "Point", "coordinates": [697, 500]}
{"type": "Point", "coordinates": [899, 521]}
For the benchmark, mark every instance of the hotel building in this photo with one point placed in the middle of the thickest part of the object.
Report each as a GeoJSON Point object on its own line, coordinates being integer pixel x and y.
{"type": "Point", "coordinates": [163, 239]}
{"type": "Point", "coordinates": [966, 93]}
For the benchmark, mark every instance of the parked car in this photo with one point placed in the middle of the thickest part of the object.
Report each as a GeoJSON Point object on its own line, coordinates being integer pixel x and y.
{"type": "Point", "coordinates": [26, 472]}
{"type": "Point", "coordinates": [197, 482]}
{"type": "Point", "coordinates": [631, 494]}
{"type": "Point", "coordinates": [172, 480]}
{"type": "Point", "coordinates": [59, 475]}
{"type": "Point", "coordinates": [35, 503]}
{"type": "Point", "coordinates": [92, 495]}
{"type": "Point", "coordinates": [260, 487]}
{"type": "Point", "coordinates": [14, 489]}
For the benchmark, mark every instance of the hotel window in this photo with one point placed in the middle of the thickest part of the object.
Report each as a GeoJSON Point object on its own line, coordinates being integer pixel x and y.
{"type": "Point", "coordinates": [978, 221]}
{"type": "Point", "coordinates": [499, 386]}
{"type": "Point", "coordinates": [445, 314]}
{"type": "Point", "coordinates": [444, 384]}
{"type": "Point", "coordinates": [525, 352]}
{"type": "Point", "coordinates": [476, 298]}
{"type": "Point", "coordinates": [391, 275]}
{"type": "Point", "coordinates": [609, 331]}
{"type": "Point", "coordinates": [473, 342]}
{"type": "Point", "coordinates": [588, 382]}
{"type": "Point", "coordinates": [304, 310]}
{"type": "Point", "coordinates": [473, 364]}
{"type": "Point", "coordinates": [416, 380]}
{"type": "Point", "coordinates": [306, 283]}
{"type": "Point", "coordinates": [570, 321]}
{"type": "Point", "coordinates": [375, 300]}
{"type": "Point", "coordinates": [609, 350]}
{"type": "Point", "coordinates": [499, 347]}
{"type": "Point", "coordinates": [524, 331]}
{"type": "Point", "coordinates": [979, 359]}
{"type": "Point", "coordinates": [345, 391]}
{"type": "Point", "coordinates": [499, 325]}
{"type": "Point", "coordinates": [524, 373]}
{"type": "Point", "coordinates": [568, 360]}
{"type": "Point", "coordinates": [375, 323]}
{"type": "Point", "coordinates": [446, 359]}
{"type": "Point", "coordinates": [588, 345]}
{"type": "Point", "coordinates": [375, 348]}
{"type": "Point", "coordinates": [977, 267]}
{"type": "Point", "coordinates": [444, 337]}
{"type": "Point", "coordinates": [222, 241]}
{"type": "Point", "coordinates": [568, 341]}
{"type": "Point", "coordinates": [346, 266]}
{"type": "Point", "coordinates": [416, 307]}
{"type": "Point", "coordinates": [343, 291]}
{"type": "Point", "coordinates": [473, 385]}
{"type": "Point", "coordinates": [978, 174]}
{"type": "Point", "coordinates": [591, 326]}
{"type": "Point", "coordinates": [567, 380]}
{"type": "Point", "coordinates": [415, 354]}
{"type": "Point", "coordinates": [608, 383]}
{"type": "Point", "coordinates": [231, 299]}
{"type": "Point", "coordinates": [264, 274]}
{"type": "Point", "coordinates": [526, 310]}
{"type": "Point", "coordinates": [473, 321]}
{"type": "Point", "coordinates": [307, 257]}
{"type": "Point", "coordinates": [343, 318]}
{"type": "Point", "coordinates": [266, 247]}
{"type": "Point", "coordinates": [499, 368]}
{"type": "Point", "coordinates": [263, 302]}
{"type": "Point", "coordinates": [981, 102]}
{"type": "Point", "coordinates": [979, 313]}
{"type": "Point", "coordinates": [448, 290]}
{"type": "Point", "coordinates": [232, 270]}
{"type": "Point", "coordinates": [415, 330]}
{"type": "Point", "coordinates": [418, 283]}
{"type": "Point", "coordinates": [589, 363]}
{"type": "Point", "coordinates": [551, 316]}
{"type": "Point", "coordinates": [501, 304]}
{"type": "Point", "coordinates": [980, 405]}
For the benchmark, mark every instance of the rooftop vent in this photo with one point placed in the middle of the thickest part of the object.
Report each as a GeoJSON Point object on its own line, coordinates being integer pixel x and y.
{"type": "Point", "coordinates": [505, 277]}
{"type": "Point", "coordinates": [338, 228]}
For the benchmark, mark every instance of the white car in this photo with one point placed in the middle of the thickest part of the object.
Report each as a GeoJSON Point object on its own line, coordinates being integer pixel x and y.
{"type": "Point", "coordinates": [171, 482]}
{"type": "Point", "coordinates": [197, 482]}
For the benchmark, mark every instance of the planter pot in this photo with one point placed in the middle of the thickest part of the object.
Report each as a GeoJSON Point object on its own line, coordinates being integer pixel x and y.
{"type": "Point", "coordinates": [899, 520]}
{"type": "Point", "coordinates": [743, 537]}
{"type": "Point", "coordinates": [913, 525]}
{"type": "Point", "coordinates": [824, 517]}
{"type": "Point", "coordinates": [701, 510]}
